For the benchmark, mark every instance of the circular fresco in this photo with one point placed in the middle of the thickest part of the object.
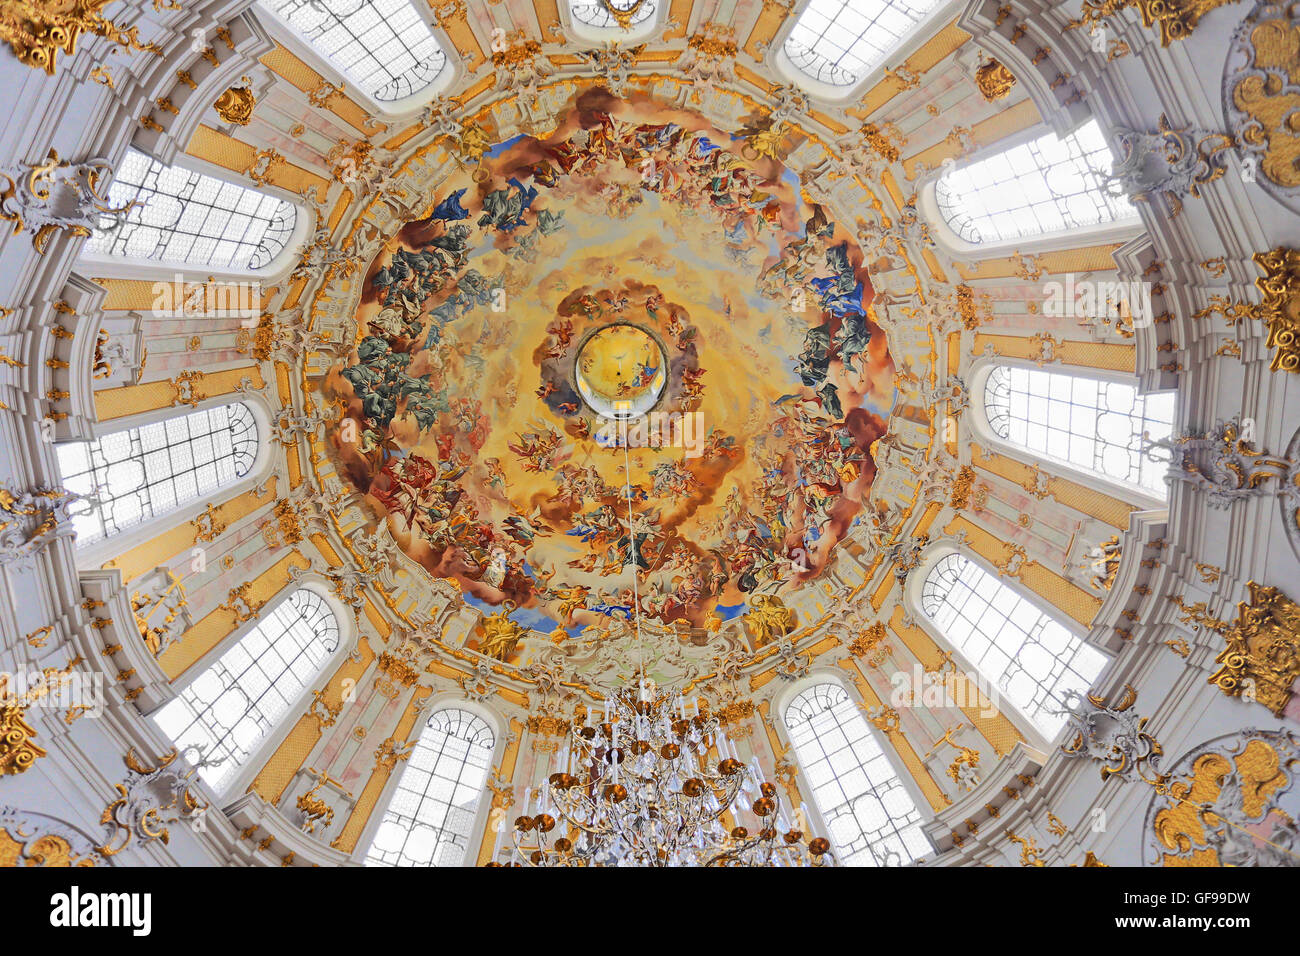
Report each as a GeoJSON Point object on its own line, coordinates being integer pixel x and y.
{"type": "Point", "coordinates": [628, 308]}
{"type": "Point", "coordinates": [620, 371]}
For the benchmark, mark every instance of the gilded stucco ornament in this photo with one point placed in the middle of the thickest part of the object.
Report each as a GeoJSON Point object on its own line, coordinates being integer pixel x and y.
{"type": "Point", "coordinates": [1114, 736]}
{"type": "Point", "coordinates": [1280, 308]}
{"type": "Point", "coordinates": [994, 80]}
{"type": "Point", "coordinates": [39, 30]}
{"type": "Point", "coordinates": [1176, 18]}
{"type": "Point", "coordinates": [1262, 657]}
{"type": "Point", "coordinates": [56, 195]}
{"type": "Point", "coordinates": [500, 634]}
{"type": "Point", "coordinates": [32, 519]}
{"type": "Point", "coordinates": [34, 839]}
{"type": "Point", "coordinates": [236, 104]}
{"type": "Point", "coordinates": [1261, 99]}
{"type": "Point", "coordinates": [1229, 468]}
{"type": "Point", "coordinates": [1231, 801]}
{"type": "Point", "coordinates": [1167, 161]}
{"type": "Point", "coordinates": [149, 801]}
{"type": "Point", "coordinates": [17, 750]}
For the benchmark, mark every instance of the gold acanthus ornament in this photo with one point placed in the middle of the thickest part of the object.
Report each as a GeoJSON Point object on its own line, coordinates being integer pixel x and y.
{"type": "Point", "coordinates": [47, 849]}
{"type": "Point", "coordinates": [17, 751]}
{"type": "Point", "coordinates": [500, 634]}
{"type": "Point", "coordinates": [994, 80]}
{"type": "Point", "coordinates": [236, 104]}
{"type": "Point", "coordinates": [1280, 309]}
{"type": "Point", "coordinates": [1261, 87]}
{"type": "Point", "coordinates": [39, 30]}
{"type": "Point", "coordinates": [1177, 18]}
{"type": "Point", "coordinates": [1262, 657]}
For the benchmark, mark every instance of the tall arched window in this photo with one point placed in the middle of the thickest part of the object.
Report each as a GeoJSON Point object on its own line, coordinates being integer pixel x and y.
{"type": "Point", "coordinates": [431, 818]}
{"type": "Point", "coordinates": [1090, 423]}
{"type": "Point", "coordinates": [383, 46]}
{"type": "Point", "coordinates": [1029, 656]}
{"type": "Point", "coordinates": [1044, 186]}
{"type": "Point", "coordinates": [236, 702]}
{"type": "Point", "coordinates": [871, 818]}
{"type": "Point", "coordinates": [131, 476]}
{"type": "Point", "coordinates": [838, 42]}
{"type": "Point", "coordinates": [612, 14]}
{"type": "Point", "coordinates": [189, 218]}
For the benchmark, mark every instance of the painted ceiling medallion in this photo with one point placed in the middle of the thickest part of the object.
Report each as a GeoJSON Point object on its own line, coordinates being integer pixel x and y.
{"type": "Point", "coordinates": [638, 264]}
{"type": "Point", "coordinates": [620, 371]}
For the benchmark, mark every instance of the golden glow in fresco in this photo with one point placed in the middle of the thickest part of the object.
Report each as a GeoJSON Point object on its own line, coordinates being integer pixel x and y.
{"type": "Point", "coordinates": [638, 248]}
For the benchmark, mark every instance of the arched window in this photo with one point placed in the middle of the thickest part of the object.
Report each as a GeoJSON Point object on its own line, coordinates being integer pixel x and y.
{"type": "Point", "coordinates": [383, 46]}
{"type": "Point", "coordinates": [1030, 657]}
{"type": "Point", "coordinates": [1044, 186]}
{"type": "Point", "coordinates": [431, 817]}
{"type": "Point", "coordinates": [871, 818]}
{"type": "Point", "coordinates": [188, 218]}
{"type": "Point", "coordinates": [612, 14]}
{"type": "Point", "coordinates": [131, 476]}
{"type": "Point", "coordinates": [1090, 423]}
{"type": "Point", "coordinates": [838, 42]}
{"type": "Point", "coordinates": [232, 706]}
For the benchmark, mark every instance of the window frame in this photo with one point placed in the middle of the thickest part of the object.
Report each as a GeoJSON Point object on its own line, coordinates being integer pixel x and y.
{"type": "Point", "coordinates": [282, 33]}
{"type": "Point", "coordinates": [986, 436]}
{"type": "Point", "coordinates": [95, 554]}
{"type": "Point", "coordinates": [912, 40]}
{"type": "Point", "coordinates": [912, 601]}
{"type": "Point", "coordinates": [101, 264]}
{"type": "Point", "coordinates": [587, 33]}
{"type": "Point", "coordinates": [482, 815]}
{"type": "Point", "coordinates": [1118, 230]}
{"type": "Point", "coordinates": [816, 819]}
{"type": "Point", "coordinates": [243, 777]}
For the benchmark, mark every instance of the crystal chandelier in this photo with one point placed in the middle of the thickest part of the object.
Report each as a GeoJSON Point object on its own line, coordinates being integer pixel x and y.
{"type": "Point", "coordinates": [639, 788]}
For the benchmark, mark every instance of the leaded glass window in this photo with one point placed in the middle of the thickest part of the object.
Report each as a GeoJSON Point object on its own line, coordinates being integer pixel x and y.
{"type": "Point", "coordinates": [383, 46]}
{"type": "Point", "coordinates": [1048, 185]}
{"type": "Point", "coordinates": [221, 717]}
{"type": "Point", "coordinates": [128, 477]}
{"type": "Point", "coordinates": [1029, 656]}
{"type": "Point", "coordinates": [612, 14]}
{"type": "Point", "coordinates": [431, 817]}
{"type": "Point", "coordinates": [189, 218]}
{"type": "Point", "coordinates": [872, 820]}
{"type": "Point", "coordinates": [1100, 426]}
{"type": "Point", "coordinates": [838, 42]}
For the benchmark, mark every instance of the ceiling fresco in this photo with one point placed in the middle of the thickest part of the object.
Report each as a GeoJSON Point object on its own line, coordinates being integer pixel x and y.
{"type": "Point", "coordinates": [641, 292]}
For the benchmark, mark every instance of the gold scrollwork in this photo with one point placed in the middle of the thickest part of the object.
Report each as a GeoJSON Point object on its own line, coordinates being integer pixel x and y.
{"type": "Point", "coordinates": [1280, 310]}
{"type": "Point", "coordinates": [38, 31]}
{"type": "Point", "coordinates": [994, 80]}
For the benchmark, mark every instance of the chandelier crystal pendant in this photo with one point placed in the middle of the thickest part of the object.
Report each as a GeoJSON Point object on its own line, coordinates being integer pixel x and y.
{"type": "Point", "coordinates": [638, 788]}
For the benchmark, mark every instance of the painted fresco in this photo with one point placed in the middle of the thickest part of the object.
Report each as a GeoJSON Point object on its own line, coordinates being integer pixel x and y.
{"type": "Point", "coordinates": [639, 291]}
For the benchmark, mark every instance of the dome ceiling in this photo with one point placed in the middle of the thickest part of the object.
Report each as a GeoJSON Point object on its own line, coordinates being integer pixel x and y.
{"type": "Point", "coordinates": [641, 289]}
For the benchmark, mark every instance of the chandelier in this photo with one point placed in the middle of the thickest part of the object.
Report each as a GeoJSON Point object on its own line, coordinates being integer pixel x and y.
{"type": "Point", "coordinates": [639, 788]}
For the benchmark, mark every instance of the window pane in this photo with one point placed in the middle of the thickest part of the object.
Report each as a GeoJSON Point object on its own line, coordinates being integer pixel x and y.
{"type": "Point", "coordinates": [841, 41]}
{"type": "Point", "coordinates": [184, 217]}
{"type": "Point", "coordinates": [431, 817]}
{"type": "Point", "coordinates": [872, 819]}
{"type": "Point", "coordinates": [612, 14]}
{"type": "Point", "coordinates": [131, 476]}
{"type": "Point", "coordinates": [1099, 426]}
{"type": "Point", "coordinates": [1046, 186]}
{"type": "Point", "coordinates": [227, 711]}
{"type": "Point", "coordinates": [1030, 657]}
{"type": "Point", "coordinates": [383, 46]}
